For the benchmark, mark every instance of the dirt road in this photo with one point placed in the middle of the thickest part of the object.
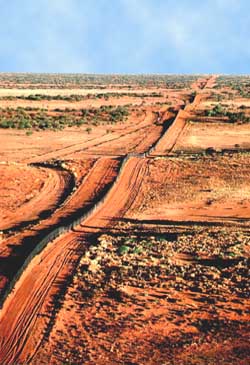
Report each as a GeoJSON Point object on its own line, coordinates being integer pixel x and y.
{"type": "Point", "coordinates": [29, 312]}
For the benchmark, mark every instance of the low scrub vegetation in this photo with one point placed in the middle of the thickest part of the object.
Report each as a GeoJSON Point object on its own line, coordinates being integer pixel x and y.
{"type": "Point", "coordinates": [239, 84]}
{"type": "Point", "coordinates": [38, 119]}
{"type": "Point", "coordinates": [90, 81]}
{"type": "Point", "coordinates": [77, 97]}
{"type": "Point", "coordinates": [219, 111]}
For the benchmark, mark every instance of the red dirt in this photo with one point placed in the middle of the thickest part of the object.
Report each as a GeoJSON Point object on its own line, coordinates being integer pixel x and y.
{"type": "Point", "coordinates": [76, 142]}
{"type": "Point", "coordinates": [15, 248]}
{"type": "Point", "coordinates": [148, 277]}
{"type": "Point", "coordinates": [203, 190]}
{"type": "Point", "coordinates": [169, 139]}
{"type": "Point", "coordinates": [139, 138]}
{"type": "Point", "coordinates": [149, 315]}
{"type": "Point", "coordinates": [198, 137]}
{"type": "Point", "coordinates": [30, 294]}
{"type": "Point", "coordinates": [27, 191]}
{"type": "Point", "coordinates": [61, 104]}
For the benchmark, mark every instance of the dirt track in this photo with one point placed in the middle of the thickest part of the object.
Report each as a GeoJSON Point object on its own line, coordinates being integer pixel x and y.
{"type": "Point", "coordinates": [95, 180]}
{"type": "Point", "coordinates": [169, 139]}
{"type": "Point", "coordinates": [21, 334]}
{"type": "Point", "coordinates": [116, 204]}
{"type": "Point", "coordinates": [37, 199]}
{"type": "Point", "coordinates": [30, 311]}
{"type": "Point", "coordinates": [111, 143]}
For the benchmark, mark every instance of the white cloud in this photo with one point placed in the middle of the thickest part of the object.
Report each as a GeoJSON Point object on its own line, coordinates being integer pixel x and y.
{"type": "Point", "coordinates": [125, 35]}
{"type": "Point", "coordinates": [201, 35]}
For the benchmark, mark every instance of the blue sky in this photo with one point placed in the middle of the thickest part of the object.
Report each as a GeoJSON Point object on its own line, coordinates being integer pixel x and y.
{"type": "Point", "coordinates": [125, 36]}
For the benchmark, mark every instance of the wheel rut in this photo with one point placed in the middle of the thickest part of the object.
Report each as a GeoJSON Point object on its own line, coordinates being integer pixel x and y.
{"type": "Point", "coordinates": [23, 322]}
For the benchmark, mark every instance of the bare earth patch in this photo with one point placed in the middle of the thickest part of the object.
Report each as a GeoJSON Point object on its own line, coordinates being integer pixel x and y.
{"type": "Point", "coordinates": [208, 189]}
{"type": "Point", "coordinates": [198, 137]}
{"type": "Point", "coordinates": [125, 223]}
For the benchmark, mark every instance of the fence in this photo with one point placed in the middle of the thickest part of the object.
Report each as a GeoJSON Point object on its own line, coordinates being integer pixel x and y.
{"type": "Point", "coordinates": [64, 229]}
{"type": "Point", "coordinates": [58, 232]}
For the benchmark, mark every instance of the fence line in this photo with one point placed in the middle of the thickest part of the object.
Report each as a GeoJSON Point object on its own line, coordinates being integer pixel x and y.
{"type": "Point", "coordinates": [64, 229]}
{"type": "Point", "coordinates": [58, 232]}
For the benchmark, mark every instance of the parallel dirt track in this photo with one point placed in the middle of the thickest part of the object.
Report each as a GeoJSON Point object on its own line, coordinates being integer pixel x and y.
{"type": "Point", "coordinates": [118, 202]}
{"type": "Point", "coordinates": [122, 196]}
{"type": "Point", "coordinates": [100, 175]}
{"type": "Point", "coordinates": [111, 142]}
{"type": "Point", "coordinates": [170, 312]}
{"type": "Point", "coordinates": [169, 139]}
{"type": "Point", "coordinates": [131, 140]}
{"type": "Point", "coordinates": [21, 328]}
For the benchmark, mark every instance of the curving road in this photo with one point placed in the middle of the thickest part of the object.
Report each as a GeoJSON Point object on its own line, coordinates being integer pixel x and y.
{"type": "Point", "coordinates": [24, 318]}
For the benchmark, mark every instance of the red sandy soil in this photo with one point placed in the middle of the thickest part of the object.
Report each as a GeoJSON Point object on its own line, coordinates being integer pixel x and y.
{"type": "Point", "coordinates": [100, 175]}
{"type": "Point", "coordinates": [136, 283]}
{"type": "Point", "coordinates": [27, 191]}
{"type": "Point", "coordinates": [138, 138]}
{"type": "Point", "coordinates": [169, 139]}
{"type": "Point", "coordinates": [14, 248]}
{"type": "Point", "coordinates": [57, 259]}
{"type": "Point", "coordinates": [204, 83]}
{"type": "Point", "coordinates": [61, 104]}
{"type": "Point", "coordinates": [171, 96]}
{"type": "Point", "coordinates": [16, 146]}
{"type": "Point", "coordinates": [236, 103]}
{"type": "Point", "coordinates": [207, 189]}
{"type": "Point", "coordinates": [45, 145]}
{"type": "Point", "coordinates": [154, 306]}
{"type": "Point", "coordinates": [196, 137]}
{"type": "Point", "coordinates": [70, 91]}
{"type": "Point", "coordinates": [187, 136]}
{"type": "Point", "coordinates": [198, 100]}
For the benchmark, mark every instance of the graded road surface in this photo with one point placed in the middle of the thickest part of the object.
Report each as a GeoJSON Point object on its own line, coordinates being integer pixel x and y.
{"type": "Point", "coordinates": [29, 311]}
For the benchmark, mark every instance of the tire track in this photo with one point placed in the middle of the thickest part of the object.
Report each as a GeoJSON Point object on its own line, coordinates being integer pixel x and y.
{"type": "Point", "coordinates": [20, 328]}
{"type": "Point", "coordinates": [18, 320]}
{"type": "Point", "coordinates": [169, 140]}
{"type": "Point", "coordinates": [50, 195]}
{"type": "Point", "coordinates": [85, 146]}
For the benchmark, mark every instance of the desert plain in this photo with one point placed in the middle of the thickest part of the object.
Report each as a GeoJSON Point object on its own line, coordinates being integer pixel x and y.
{"type": "Point", "coordinates": [124, 219]}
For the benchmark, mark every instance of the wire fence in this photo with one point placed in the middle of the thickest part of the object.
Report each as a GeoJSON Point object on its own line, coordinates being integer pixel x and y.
{"type": "Point", "coordinates": [57, 232]}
